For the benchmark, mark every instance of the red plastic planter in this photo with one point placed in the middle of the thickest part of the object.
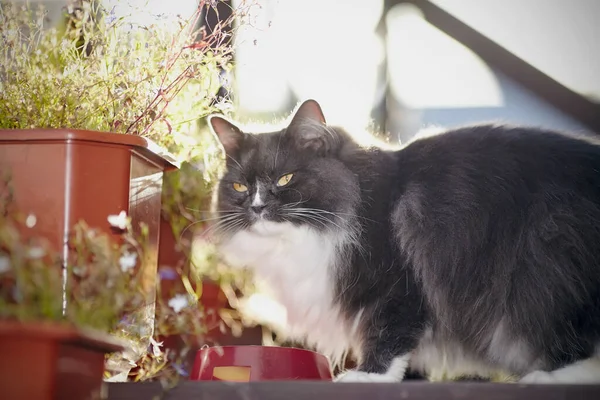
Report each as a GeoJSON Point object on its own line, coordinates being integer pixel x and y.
{"type": "Point", "coordinates": [44, 361]}
{"type": "Point", "coordinates": [259, 363]}
{"type": "Point", "coordinates": [63, 176]}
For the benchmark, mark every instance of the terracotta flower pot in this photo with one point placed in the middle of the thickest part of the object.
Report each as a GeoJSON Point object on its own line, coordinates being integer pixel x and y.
{"type": "Point", "coordinates": [63, 176]}
{"type": "Point", "coordinates": [45, 361]}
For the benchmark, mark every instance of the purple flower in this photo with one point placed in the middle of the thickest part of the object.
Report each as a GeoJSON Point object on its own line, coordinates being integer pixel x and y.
{"type": "Point", "coordinates": [167, 274]}
{"type": "Point", "coordinates": [111, 17]}
{"type": "Point", "coordinates": [180, 370]}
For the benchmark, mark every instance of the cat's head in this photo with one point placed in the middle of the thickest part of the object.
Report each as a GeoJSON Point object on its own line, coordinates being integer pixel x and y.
{"type": "Point", "coordinates": [296, 175]}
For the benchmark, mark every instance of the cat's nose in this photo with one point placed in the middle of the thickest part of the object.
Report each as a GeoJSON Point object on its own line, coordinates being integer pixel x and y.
{"type": "Point", "coordinates": [257, 209]}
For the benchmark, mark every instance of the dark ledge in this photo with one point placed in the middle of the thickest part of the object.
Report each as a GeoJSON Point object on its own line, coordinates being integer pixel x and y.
{"type": "Point", "coordinates": [342, 391]}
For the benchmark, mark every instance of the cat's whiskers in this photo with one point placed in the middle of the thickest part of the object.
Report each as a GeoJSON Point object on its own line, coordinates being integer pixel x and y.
{"type": "Point", "coordinates": [313, 215]}
{"type": "Point", "coordinates": [297, 202]}
{"type": "Point", "coordinates": [231, 226]}
{"type": "Point", "coordinates": [316, 210]}
{"type": "Point", "coordinates": [308, 218]}
{"type": "Point", "coordinates": [322, 213]}
{"type": "Point", "coordinates": [226, 218]}
{"type": "Point", "coordinates": [277, 152]}
{"type": "Point", "coordinates": [293, 205]}
{"type": "Point", "coordinates": [221, 220]}
{"type": "Point", "coordinates": [351, 228]}
{"type": "Point", "coordinates": [219, 217]}
{"type": "Point", "coordinates": [338, 214]}
{"type": "Point", "coordinates": [238, 209]}
{"type": "Point", "coordinates": [239, 167]}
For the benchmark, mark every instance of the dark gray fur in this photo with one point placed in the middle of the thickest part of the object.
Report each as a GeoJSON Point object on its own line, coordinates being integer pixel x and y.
{"type": "Point", "coordinates": [486, 235]}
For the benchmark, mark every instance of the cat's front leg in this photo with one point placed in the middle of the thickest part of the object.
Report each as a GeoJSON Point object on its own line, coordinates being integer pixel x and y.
{"type": "Point", "coordinates": [385, 353]}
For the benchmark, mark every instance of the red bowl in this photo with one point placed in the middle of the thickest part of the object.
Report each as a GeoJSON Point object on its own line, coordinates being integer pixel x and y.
{"type": "Point", "coordinates": [259, 363]}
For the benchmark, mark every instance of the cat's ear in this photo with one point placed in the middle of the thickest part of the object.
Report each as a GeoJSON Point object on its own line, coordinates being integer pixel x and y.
{"type": "Point", "coordinates": [228, 134]}
{"type": "Point", "coordinates": [309, 110]}
{"type": "Point", "coordinates": [309, 129]}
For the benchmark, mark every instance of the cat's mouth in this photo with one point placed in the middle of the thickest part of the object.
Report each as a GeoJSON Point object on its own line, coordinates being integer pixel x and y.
{"type": "Point", "coordinates": [257, 216]}
{"type": "Point", "coordinates": [264, 214]}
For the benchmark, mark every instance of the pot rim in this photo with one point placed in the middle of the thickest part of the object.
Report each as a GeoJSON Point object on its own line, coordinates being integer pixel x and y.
{"type": "Point", "coordinates": [63, 332]}
{"type": "Point", "coordinates": [80, 135]}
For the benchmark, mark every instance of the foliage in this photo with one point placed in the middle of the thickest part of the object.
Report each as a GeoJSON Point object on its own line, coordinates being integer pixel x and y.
{"type": "Point", "coordinates": [105, 290]}
{"type": "Point", "coordinates": [99, 72]}
{"type": "Point", "coordinates": [102, 280]}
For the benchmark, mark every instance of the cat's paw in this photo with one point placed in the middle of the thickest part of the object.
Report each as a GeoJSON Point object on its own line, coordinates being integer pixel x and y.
{"type": "Point", "coordinates": [538, 377]}
{"type": "Point", "coordinates": [359, 376]}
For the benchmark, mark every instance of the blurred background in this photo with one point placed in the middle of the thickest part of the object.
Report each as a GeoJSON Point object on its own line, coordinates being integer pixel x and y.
{"type": "Point", "coordinates": [401, 65]}
{"type": "Point", "coordinates": [396, 66]}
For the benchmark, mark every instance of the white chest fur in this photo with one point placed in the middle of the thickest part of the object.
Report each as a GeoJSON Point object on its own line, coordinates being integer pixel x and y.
{"type": "Point", "coordinates": [297, 264]}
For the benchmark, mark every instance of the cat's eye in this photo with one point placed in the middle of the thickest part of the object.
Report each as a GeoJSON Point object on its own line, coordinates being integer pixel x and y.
{"type": "Point", "coordinates": [238, 187]}
{"type": "Point", "coordinates": [284, 180]}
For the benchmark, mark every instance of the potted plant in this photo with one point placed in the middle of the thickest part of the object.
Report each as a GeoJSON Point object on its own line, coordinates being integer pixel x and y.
{"type": "Point", "coordinates": [63, 349]}
{"type": "Point", "coordinates": [83, 106]}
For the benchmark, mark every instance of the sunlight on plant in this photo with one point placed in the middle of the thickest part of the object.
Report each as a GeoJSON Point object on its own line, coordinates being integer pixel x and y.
{"type": "Point", "coordinates": [100, 70]}
{"type": "Point", "coordinates": [102, 73]}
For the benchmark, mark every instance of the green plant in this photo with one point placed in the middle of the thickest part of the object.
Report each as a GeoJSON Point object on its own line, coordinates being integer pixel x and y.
{"type": "Point", "coordinates": [101, 281]}
{"type": "Point", "coordinates": [99, 72]}
{"type": "Point", "coordinates": [103, 73]}
{"type": "Point", "coordinates": [102, 287]}
{"type": "Point", "coordinates": [99, 286]}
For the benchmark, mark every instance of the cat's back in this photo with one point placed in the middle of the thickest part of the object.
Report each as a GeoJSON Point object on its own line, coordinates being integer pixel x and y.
{"type": "Point", "coordinates": [496, 147]}
{"type": "Point", "coordinates": [495, 164]}
{"type": "Point", "coordinates": [501, 225]}
{"type": "Point", "coordinates": [468, 181]}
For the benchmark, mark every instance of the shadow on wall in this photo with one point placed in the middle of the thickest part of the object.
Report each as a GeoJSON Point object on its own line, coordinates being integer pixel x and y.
{"type": "Point", "coordinates": [435, 80]}
{"type": "Point", "coordinates": [520, 106]}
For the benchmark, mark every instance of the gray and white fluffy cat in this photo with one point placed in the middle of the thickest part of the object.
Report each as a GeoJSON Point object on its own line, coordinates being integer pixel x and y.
{"type": "Point", "coordinates": [476, 250]}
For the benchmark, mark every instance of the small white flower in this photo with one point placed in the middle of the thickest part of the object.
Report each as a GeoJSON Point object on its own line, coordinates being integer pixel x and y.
{"type": "Point", "coordinates": [156, 347]}
{"type": "Point", "coordinates": [118, 221]}
{"type": "Point", "coordinates": [179, 302]}
{"type": "Point", "coordinates": [121, 376]}
{"type": "Point", "coordinates": [127, 261]}
{"type": "Point", "coordinates": [4, 264]}
{"type": "Point", "coordinates": [30, 221]}
{"type": "Point", "coordinates": [36, 252]}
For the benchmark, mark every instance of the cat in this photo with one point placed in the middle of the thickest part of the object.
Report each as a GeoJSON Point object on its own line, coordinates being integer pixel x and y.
{"type": "Point", "coordinates": [475, 250]}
